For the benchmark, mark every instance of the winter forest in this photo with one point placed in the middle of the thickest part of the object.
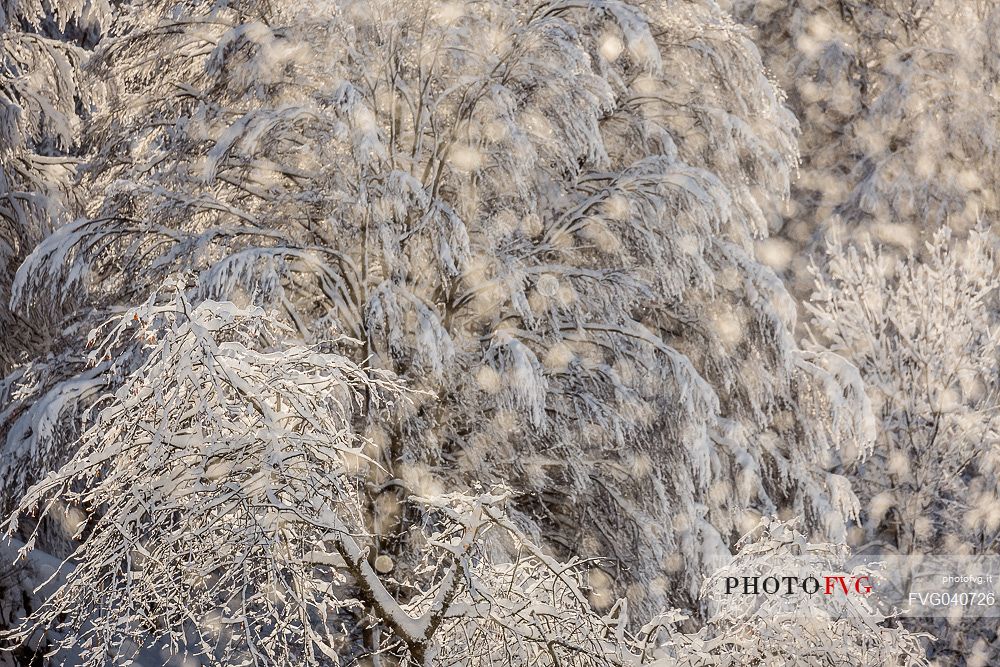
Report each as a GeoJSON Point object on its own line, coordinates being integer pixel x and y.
{"type": "Point", "coordinates": [493, 333]}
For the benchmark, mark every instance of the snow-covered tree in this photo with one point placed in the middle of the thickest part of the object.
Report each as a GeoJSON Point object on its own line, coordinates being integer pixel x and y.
{"type": "Point", "coordinates": [924, 335]}
{"type": "Point", "coordinates": [540, 214]}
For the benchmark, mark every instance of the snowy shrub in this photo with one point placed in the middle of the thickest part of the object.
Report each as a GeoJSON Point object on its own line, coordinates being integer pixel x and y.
{"type": "Point", "coordinates": [924, 336]}
{"type": "Point", "coordinates": [208, 478]}
{"type": "Point", "coordinates": [923, 333]}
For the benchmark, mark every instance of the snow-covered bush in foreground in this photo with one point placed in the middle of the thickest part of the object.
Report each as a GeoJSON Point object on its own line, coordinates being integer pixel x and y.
{"type": "Point", "coordinates": [209, 480]}
{"type": "Point", "coordinates": [225, 515]}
